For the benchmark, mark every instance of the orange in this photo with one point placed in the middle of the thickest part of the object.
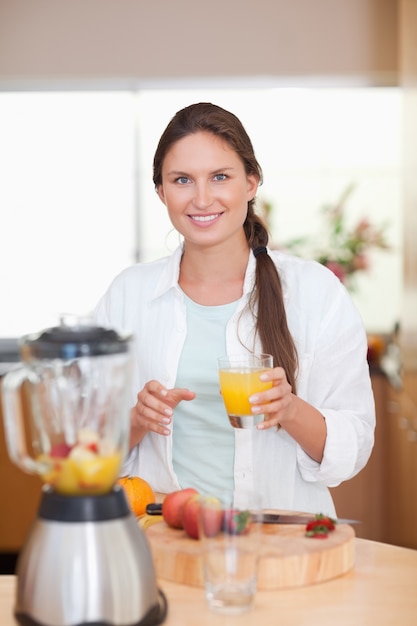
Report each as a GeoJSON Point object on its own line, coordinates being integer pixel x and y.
{"type": "Point", "coordinates": [138, 492]}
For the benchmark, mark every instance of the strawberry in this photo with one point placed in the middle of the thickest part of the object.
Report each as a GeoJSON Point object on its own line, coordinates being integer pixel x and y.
{"type": "Point", "coordinates": [93, 447]}
{"type": "Point", "coordinates": [236, 522]}
{"type": "Point", "coordinates": [320, 526]}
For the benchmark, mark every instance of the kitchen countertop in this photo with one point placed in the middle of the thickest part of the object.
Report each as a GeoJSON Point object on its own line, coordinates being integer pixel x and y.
{"type": "Point", "coordinates": [381, 589]}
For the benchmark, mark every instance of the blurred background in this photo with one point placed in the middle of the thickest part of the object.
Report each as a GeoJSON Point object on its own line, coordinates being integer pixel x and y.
{"type": "Point", "coordinates": [80, 204]}
{"type": "Point", "coordinates": [327, 90]}
{"type": "Point", "coordinates": [86, 88]}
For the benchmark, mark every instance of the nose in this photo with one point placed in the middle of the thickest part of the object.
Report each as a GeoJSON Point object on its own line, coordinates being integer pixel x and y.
{"type": "Point", "coordinates": [202, 196]}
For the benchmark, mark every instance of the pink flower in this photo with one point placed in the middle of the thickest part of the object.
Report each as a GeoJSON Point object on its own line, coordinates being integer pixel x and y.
{"type": "Point", "coordinates": [347, 249]}
{"type": "Point", "coordinates": [362, 228]}
{"type": "Point", "coordinates": [360, 262]}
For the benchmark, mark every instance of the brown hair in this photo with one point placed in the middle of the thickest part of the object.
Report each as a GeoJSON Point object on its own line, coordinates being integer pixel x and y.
{"type": "Point", "coordinates": [266, 301]}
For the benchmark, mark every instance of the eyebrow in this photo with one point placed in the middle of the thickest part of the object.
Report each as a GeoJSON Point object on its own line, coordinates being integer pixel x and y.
{"type": "Point", "coordinates": [218, 170]}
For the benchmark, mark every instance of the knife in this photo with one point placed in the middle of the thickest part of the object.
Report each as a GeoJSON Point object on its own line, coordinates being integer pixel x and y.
{"type": "Point", "coordinates": [267, 518]}
{"type": "Point", "coordinates": [284, 518]}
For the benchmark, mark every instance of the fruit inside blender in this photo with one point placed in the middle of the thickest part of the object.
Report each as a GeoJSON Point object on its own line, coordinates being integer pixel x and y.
{"type": "Point", "coordinates": [90, 466]}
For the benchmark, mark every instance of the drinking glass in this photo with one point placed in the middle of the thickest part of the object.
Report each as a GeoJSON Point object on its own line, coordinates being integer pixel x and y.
{"type": "Point", "coordinates": [230, 533]}
{"type": "Point", "coordinates": [239, 379]}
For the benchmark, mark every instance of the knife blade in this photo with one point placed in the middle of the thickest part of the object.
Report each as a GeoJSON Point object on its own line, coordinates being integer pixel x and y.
{"type": "Point", "coordinates": [267, 518]}
{"type": "Point", "coordinates": [284, 518]}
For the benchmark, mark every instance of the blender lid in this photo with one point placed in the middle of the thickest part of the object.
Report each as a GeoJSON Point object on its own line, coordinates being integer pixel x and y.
{"type": "Point", "coordinates": [75, 340]}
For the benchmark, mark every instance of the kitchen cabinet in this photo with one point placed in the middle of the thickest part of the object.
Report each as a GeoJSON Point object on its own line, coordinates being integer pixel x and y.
{"type": "Point", "coordinates": [402, 463]}
{"type": "Point", "coordinates": [384, 494]}
{"type": "Point", "coordinates": [19, 499]}
{"type": "Point", "coordinates": [364, 496]}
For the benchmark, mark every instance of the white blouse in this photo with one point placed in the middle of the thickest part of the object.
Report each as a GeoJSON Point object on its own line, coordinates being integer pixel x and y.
{"type": "Point", "coordinates": [333, 376]}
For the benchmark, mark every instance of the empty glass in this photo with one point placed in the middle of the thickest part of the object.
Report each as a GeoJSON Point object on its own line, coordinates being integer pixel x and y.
{"type": "Point", "coordinates": [230, 532]}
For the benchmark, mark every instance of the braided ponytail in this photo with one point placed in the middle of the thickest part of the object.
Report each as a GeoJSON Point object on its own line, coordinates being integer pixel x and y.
{"type": "Point", "coordinates": [267, 301]}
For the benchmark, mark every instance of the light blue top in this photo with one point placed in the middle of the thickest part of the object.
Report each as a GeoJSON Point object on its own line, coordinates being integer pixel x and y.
{"type": "Point", "coordinates": [208, 467]}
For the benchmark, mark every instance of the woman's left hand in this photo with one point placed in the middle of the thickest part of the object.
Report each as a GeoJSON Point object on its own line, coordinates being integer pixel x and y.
{"type": "Point", "coordinates": [275, 403]}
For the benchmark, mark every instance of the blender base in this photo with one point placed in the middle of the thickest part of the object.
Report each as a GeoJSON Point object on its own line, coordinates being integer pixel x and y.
{"type": "Point", "coordinates": [86, 562]}
{"type": "Point", "coordinates": [154, 617]}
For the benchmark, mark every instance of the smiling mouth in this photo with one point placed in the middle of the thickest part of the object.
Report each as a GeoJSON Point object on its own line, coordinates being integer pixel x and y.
{"type": "Point", "coordinates": [204, 218]}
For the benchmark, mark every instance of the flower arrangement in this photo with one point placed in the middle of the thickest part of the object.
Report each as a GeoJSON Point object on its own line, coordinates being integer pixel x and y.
{"type": "Point", "coordinates": [342, 248]}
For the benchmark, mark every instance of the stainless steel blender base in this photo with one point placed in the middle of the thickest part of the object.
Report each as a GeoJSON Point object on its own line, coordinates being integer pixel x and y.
{"type": "Point", "coordinates": [87, 573]}
{"type": "Point", "coordinates": [155, 616]}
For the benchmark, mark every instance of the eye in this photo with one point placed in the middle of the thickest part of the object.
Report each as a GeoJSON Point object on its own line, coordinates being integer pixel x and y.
{"type": "Point", "coordinates": [182, 180]}
{"type": "Point", "coordinates": [220, 177]}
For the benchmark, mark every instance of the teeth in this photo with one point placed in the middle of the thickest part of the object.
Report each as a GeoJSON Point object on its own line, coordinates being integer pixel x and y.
{"type": "Point", "coordinates": [204, 218]}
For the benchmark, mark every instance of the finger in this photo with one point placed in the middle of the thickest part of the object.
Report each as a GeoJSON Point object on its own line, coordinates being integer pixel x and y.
{"type": "Point", "coordinates": [155, 400]}
{"type": "Point", "coordinates": [150, 411]}
{"type": "Point", "coordinates": [154, 388]}
{"type": "Point", "coordinates": [176, 395]}
{"type": "Point", "coordinates": [274, 406]}
{"type": "Point", "coordinates": [160, 429]}
{"type": "Point", "coordinates": [276, 373]}
{"type": "Point", "coordinates": [273, 411]}
{"type": "Point", "coordinates": [152, 421]}
{"type": "Point", "coordinates": [269, 423]}
{"type": "Point", "coordinates": [274, 394]}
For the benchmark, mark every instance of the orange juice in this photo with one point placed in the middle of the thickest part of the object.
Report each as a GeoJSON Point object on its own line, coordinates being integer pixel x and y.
{"type": "Point", "coordinates": [237, 385]}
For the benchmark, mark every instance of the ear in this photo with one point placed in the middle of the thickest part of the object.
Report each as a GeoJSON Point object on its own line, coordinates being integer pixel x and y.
{"type": "Point", "coordinates": [253, 184]}
{"type": "Point", "coordinates": [160, 192]}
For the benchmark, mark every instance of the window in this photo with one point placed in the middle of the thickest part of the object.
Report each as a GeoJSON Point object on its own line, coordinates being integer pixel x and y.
{"type": "Point", "coordinates": [67, 202]}
{"type": "Point", "coordinates": [77, 202]}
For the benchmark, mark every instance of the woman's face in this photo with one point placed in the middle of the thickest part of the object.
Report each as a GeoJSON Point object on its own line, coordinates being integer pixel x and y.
{"type": "Point", "coordinates": [206, 189]}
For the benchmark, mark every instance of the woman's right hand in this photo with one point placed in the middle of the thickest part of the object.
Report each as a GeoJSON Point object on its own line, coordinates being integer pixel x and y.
{"type": "Point", "coordinates": [154, 409]}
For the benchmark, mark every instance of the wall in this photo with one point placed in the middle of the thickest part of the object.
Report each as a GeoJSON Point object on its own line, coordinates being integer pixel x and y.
{"type": "Point", "coordinates": [408, 78]}
{"type": "Point", "coordinates": [131, 40]}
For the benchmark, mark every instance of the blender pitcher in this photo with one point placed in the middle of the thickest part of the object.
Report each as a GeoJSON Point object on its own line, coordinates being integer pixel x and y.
{"type": "Point", "coordinates": [76, 378]}
{"type": "Point", "coordinates": [85, 561]}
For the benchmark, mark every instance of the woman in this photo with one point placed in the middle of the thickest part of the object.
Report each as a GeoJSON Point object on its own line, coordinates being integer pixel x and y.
{"type": "Point", "coordinates": [222, 291]}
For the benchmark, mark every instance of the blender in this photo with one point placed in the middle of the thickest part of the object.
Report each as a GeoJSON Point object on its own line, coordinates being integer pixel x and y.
{"type": "Point", "coordinates": [86, 561]}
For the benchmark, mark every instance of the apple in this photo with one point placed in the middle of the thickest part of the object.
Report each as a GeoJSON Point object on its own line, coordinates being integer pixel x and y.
{"type": "Point", "coordinates": [172, 506]}
{"type": "Point", "coordinates": [190, 516]}
{"type": "Point", "coordinates": [60, 450]}
{"type": "Point", "coordinates": [211, 517]}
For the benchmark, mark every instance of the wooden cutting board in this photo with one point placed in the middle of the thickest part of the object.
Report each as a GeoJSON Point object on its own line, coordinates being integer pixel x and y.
{"type": "Point", "coordinates": [288, 558]}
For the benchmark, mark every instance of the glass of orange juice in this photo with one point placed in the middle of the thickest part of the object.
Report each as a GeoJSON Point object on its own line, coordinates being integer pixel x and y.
{"type": "Point", "coordinates": [239, 379]}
